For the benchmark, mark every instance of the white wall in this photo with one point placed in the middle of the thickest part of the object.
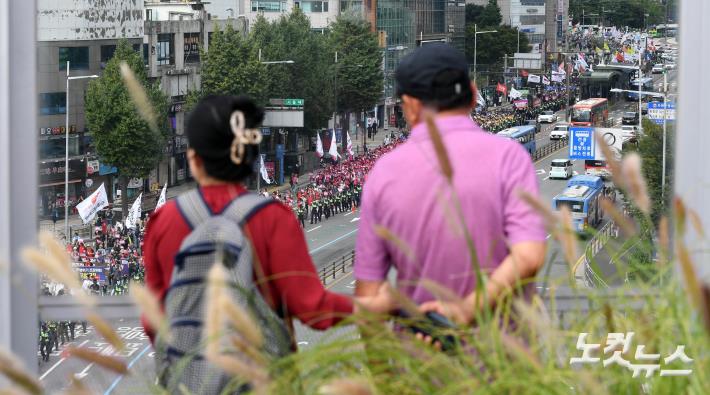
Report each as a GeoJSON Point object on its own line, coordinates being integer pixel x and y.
{"type": "Point", "coordinates": [62, 20]}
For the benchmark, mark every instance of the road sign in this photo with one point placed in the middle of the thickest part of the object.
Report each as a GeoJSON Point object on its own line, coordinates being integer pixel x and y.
{"type": "Point", "coordinates": [581, 143]}
{"type": "Point", "coordinates": [293, 102]}
{"type": "Point", "coordinates": [656, 110]}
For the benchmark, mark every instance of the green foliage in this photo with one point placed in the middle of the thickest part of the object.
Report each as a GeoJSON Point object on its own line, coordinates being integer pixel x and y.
{"type": "Point", "coordinates": [359, 67]}
{"type": "Point", "coordinates": [473, 13]}
{"type": "Point", "coordinates": [651, 151]}
{"type": "Point", "coordinates": [122, 138]}
{"type": "Point", "coordinates": [490, 16]}
{"type": "Point", "coordinates": [231, 66]}
{"type": "Point", "coordinates": [493, 46]}
{"type": "Point", "coordinates": [619, 12]}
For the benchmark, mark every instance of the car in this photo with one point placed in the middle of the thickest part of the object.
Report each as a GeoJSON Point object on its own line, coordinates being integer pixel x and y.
{"type": "Point", "coordinates": [559, 132]}
{"type": "Point", "coordinates": [657, 69]}
{"type": "Point", "coordinates": [561, 168]}
{"type": "Point", "coordinates": [547, 116]}
{"type": "Point", "coordinates": [630, 118]}
{"type": "Point", "coordinates": [669, 66]}
{"type": "Point", "coordinates": [630, 133]}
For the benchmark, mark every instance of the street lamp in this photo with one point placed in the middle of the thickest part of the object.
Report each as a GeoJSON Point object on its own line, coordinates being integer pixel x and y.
{"type": "Point", "coordinates": [475, 46]}
{"type": "Point", "coordinates": [66, 151]}
{"type": "Point", "coordinates": [664, 95]}
{"type": "Point", "coordinates": [258, 176]}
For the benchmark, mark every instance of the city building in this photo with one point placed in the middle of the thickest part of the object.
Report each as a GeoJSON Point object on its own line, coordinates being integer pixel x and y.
{"type": "Point", "coordinates": [174, 33]}
{"type": "Point", "coordinates": [83, 33]}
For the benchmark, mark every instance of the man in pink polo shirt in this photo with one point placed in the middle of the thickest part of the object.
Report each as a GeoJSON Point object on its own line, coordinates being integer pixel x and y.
{"type": "Point", "coordinates": [407, 194]}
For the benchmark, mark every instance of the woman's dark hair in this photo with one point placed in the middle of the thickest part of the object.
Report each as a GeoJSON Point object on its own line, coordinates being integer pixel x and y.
{"type": "Point", "coordinates": [210, 135]}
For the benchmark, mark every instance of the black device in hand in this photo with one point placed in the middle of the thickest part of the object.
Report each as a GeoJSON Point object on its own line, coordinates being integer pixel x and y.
{"type": "Point", "coordinates": [427, 324]}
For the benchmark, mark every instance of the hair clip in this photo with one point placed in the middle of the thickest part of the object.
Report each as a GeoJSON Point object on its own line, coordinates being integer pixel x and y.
{"type": "Point", "coordinates": [242, 136]}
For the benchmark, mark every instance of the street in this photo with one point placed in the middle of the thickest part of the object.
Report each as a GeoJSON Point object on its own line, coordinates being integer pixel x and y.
{"type": "Point", "coordinates": [327, 242]}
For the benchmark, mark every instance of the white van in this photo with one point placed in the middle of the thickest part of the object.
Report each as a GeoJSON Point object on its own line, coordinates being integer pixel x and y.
{"type": "Point", "coordinates": [561, 168]}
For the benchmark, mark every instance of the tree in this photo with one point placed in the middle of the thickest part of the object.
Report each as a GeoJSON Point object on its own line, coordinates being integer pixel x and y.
{"type": "Point", "coordinates": [492, 47]}
{"type": "Point", "coordinates": [359, 68]}
{"type": "Point", "coordinates": [232, 67]}
{"type": "Point", "coordinates": [490, 17]}
{"type": "Point", "coordinates": [651, 151]}
{"type": "Point", "coordinates": [618, 12]}
{"type": "Point", "coordinates": [473, 12]}
{"type": "Point", "coordinates": [122, 137]}
{"type": "Point", "coordinates": [291, 38]}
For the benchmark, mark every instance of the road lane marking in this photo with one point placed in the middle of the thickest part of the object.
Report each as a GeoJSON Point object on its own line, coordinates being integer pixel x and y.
{"type": "Point", "coordinates": [313, 251]}
{"type": "Point", "coordinates": [348, 214]}
{"type": "Point", "coordinates": [312, 229]}
{"type": "Point", "coordinates": [546, 178]}
{"type": "Point", "coordinates": [355, 219]}
{"type": "Point", "coordinates": [58, 362]}
{"type": "Point", "coordinates": [548, 237]}
{"type": "Point", "coordinates": [84, 373]}
{"type": "Point", "coordinates": [118, 379]}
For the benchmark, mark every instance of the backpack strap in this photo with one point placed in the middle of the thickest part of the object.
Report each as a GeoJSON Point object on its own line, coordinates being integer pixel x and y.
{"type": "Point", "coordinates": [193, 208]}
{"type": "Point", "coordinates": [245, 206]}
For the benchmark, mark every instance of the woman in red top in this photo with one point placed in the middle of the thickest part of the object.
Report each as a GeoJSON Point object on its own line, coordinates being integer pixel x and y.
{"type": "Point", "coordinates": [293, 288]}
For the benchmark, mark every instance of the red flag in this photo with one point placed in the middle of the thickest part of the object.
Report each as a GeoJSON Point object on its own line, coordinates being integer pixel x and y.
{"type": "Point", "coordinates": [502, 89]}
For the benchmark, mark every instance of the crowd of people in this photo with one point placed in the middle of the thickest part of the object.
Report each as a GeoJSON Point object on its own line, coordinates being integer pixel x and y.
{"type": "Point", "coordinates": [335, 188]}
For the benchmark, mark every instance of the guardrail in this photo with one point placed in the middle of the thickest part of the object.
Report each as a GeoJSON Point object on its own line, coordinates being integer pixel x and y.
{"type": "Point", "coordinates": [548, 149]}
{"type": "Point", "coordinates": [591, 278]}
{"type": "Point", "coordinates": [339, 266]}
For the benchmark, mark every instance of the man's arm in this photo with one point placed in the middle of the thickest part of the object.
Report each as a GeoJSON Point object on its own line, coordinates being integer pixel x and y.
{"type": "Point", "coordinates": [367, 288]}
{"type": "Point", "coordinates": [523, 263]}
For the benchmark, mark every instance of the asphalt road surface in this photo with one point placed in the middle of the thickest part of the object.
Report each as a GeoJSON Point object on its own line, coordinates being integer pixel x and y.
{"type": "Point", "coordinates": [327, 241]}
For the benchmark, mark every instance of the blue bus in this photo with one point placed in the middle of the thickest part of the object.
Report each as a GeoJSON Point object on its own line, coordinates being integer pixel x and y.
{"type": "Point", "coordinates": [525, 135]}
{"type": "Point", "coordinates": [582, 197]}
{"type": "Point", "coordinates": [646, 85]}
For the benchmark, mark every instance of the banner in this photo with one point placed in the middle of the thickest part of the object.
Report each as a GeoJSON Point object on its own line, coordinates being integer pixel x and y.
{"type": "Point", "coordinates": [319, 146]}
{"type": "Point", "coordinates": [88, 207]}
{"type": "Point", "coordinates": [162, 199]}
{"type": "Point", "coordinates": [515, 94]}
{"type": "Point", "coordinates": [333, 150]}
{"type": "Point", "coordinates": [533, 79]}
{"type": "Point", "coordinates": [134, 213]}
{"type": "Point", "coordinates": [349, 144]}
{"type": "Point", "coordinates": [545, 80]}
{"type": "Point", "coordinates": [521, 104]}
{"type": "Point", "coordinates": [557, 77]}
{"type": "Point", "coordinates": [262, 169]}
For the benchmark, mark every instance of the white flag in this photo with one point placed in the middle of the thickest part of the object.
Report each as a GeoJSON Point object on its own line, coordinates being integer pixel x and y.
{"type": "Point", "coordinates": [333, 150]}
{"type": "Point", "coordinates": [557, 76]}
{"type": "Point", "coordinates": [545, 80]}
{"type": "Point", "coordinates": [319, 146]}
{"type": "Point", "coordinates": [134, 213]}
{"type": "Point", "coordinates": [349, 145]}
{"type": "Point", "coordinates": [514, 93]}
{"type": "Point", "coordinates": [532, 78]}
{"type": "Point", "coordinates": [262, 168]}
{"type": "Point", "coordinates": [91, 205]}
{"type": "Point", "coordinates": [162, 199]}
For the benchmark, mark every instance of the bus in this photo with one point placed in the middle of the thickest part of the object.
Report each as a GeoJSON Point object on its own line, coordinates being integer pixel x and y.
{"type": "Point", "coordinates": [591, 112]}
{"type": "Point", "coordinates": [582, 197]}
{"type": "Point", "coordinates": [525, 135]}
{"type": "Point", "coordinates": [646, 85]}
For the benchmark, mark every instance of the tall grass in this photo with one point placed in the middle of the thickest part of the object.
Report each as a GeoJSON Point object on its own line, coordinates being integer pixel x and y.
{"type": "Point", "coordinates": [519, 347]}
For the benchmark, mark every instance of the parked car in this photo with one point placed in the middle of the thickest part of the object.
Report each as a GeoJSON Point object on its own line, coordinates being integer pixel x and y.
{"type": "Point", "coordinates": [561, 168]}
{"type": "Point", "coordinates": [657, 69]}
{"type": "Point", "coordinates": [630, 118]}
{"type": "Point", "coordinates": [559, 132]}
{"type": "Point", "coordinates": [670, 66]}
{"type": "Point", "coordinates": [547, 116]}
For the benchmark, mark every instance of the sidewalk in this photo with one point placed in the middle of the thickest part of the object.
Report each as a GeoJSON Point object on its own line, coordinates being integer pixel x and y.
{"type": "Point", "coordinates": [76, 224]}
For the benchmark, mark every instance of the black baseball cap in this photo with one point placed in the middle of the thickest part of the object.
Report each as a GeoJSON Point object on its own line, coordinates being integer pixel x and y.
{"type": "Point", "coordinates": [433, 72]}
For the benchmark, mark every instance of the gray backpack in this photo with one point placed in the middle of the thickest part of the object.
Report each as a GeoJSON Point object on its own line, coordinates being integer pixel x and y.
{"type": "Point", "coordinates": [212, 235]}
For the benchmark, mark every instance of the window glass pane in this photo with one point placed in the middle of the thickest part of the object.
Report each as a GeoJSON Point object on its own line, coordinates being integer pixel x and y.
{"type": "Point", "coordinates": [192, 47]}
{"type": "Point", "coordinates": [107, 52]}
{"type": "Point", "coordinates": [52, 103]}
{"type": "Point", "coordinates": [166, 51]}
{"type": "Point", "coordinates": [77, 56]}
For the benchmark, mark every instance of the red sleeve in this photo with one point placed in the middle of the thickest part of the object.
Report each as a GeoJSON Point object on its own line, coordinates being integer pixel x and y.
{"type": "Point", "coordinates": [154, 276]}
{"type": "Point", "coordinates": [293, 283]}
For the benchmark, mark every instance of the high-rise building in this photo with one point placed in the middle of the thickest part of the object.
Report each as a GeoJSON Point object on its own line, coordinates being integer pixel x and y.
{"type": "Point", "coordinates": [83, 33]}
